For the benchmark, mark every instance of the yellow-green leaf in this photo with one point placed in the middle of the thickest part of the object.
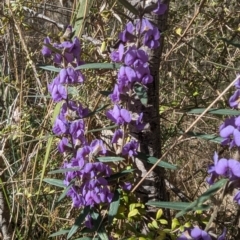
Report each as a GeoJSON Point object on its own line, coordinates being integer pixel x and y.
{"type": "Point", "coordinates": [133, 213]}
{"type": "Point", "coordinates": [175, 223]}
{"type": "Point", "coordinates": [159, 214]}
{"type": "Point", "coordinates": [163, 221]}
{"type": "Point", "coordinates": [155, 224]}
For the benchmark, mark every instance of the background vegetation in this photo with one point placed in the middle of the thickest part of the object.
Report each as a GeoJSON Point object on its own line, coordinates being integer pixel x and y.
{"type": "Point", "coordinates": [197, 65]}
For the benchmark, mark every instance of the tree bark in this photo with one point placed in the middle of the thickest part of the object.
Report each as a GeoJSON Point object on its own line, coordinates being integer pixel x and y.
{"type": "Point", "coordinates": [153, 187]}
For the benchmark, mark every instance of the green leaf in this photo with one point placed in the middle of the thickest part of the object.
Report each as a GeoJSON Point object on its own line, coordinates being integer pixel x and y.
{"type": "Point", "coordinates": [105, 128]}
{"type": "Point", "coordinates": [64, 193]}
{"type": "Point", "coordinates": [78, 221]}
{"type": "Point", "coordinates": [102, 234]}
{"type": "Point", "coordinates": [110, 159]}
{"type": "Point", "coordinates": [141, 92]}
{"type": "Point", "coordinates": [99, 66]}
{"type": "Point", "coordinates": [86, 238]}
{"type": "Point", "coordinates": [215, 111]}
{"type": "Point", "coordinates": [63, 170]}
{"type": "Point", "coordinates": [106, 93]}
{"type": "Point", "coordinates": [55, 182]}
{"type": "Point", "coordinates": [97, 110]}
{"type": "Point", "coordinates": [113, 209]}
{"type": "Point", "coordinates": [208, 137]}
{"type": "Point", "coordinates": [49, 68]}
{"type": "Point", "coordinates": [181, 206]}
{"type": "Point", "coordinates": [119, 175]}
{"type": "Point", "coordinates": [82, 13]}
{"type": "Point", "coordinates": [153, 160]}
{"type": "Point", "coordinates": [198, 204]}
{"type": "Point", "coordinates": [60, 232]}
{"type": "Point", "coordinates": [129, 7]}
{"type": "Point", "coordinates": [235, 44]}
{"type": "Point", "coordinates": [223, 66]}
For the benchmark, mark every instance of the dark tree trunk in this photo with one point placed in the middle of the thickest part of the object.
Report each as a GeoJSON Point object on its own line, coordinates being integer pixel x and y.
{"type": "Point", "coordinates": [153, 187]}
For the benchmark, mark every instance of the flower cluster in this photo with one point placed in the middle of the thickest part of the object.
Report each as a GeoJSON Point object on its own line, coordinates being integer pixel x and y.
{"type": "Point", "coordinates": [85, 177]}
{"type": "Point", "coordinates": [198, 234]}
{"type": "Point", "coordinates": [230, 132]}
{"type": "Point", "coordinates": [134, 71]}
{"type": "Point", "coordinates": [230, 129]}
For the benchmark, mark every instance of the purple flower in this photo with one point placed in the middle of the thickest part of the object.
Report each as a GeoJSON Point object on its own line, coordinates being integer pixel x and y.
{"type": "Point", "coordinates": [135, 56]}
{"type": "Point", "coordinates": [196, 234]}
{"type": "Point", "coordinates": [228, 168]}
{"type": "Point", "coordinates": [234, 100]}
{"type": "Point", "coordinates": [127, 186]}
{"type": "Point", "coordinates": [77, 128]}
{"type": "Point", "coordinates": [128, 34]}
{"type": "Point", "coordinates": [57, 90]}
{"type": "Point", "coordinates": [237, 83]}
{"type": "Point", "coordinates": [230, 133]}
{"type": "Point", "coordinates": [117, 135]}
{"type": "Point", "coordinates": [139, 123]}
{"type": "Point", "coordinates": [130, 148]}
{"type": "Point", "coordinates": [119, 115]}
{"type": "Point", "coordinates": [117, 56]}
{"type": "Point", "coordinates": [60, 127]}
{"type": "Point", "coordinates": [64, 145]}
{"type": "Point", "coordinates": [161, 8]}
{"type": "Point", "coordinates": [46, 52]}
{"type": "Point", "coordinates": [212, 170]}
{"type": "Point", "coordinates": [115, 96]}
{"type": "Point", "coordinates": [143, 25]}
{"type": "Point", "coordinates": [97, 147]}
{"type": "Point", "coordinates": [151, 38]}
{"type": "Point", "coordinates": [223, 235]}
{"type": "Point", "coordinates": [88, 222]}
{"type": "Point", "coordinates": [237, 197]}
{"type": "Point", "coordinates": [126, 77]}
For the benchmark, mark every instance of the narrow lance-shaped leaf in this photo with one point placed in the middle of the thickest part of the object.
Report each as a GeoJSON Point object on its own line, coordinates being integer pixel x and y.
{"type": "Point", "coordinates": [60, 232]}
{"type": "Point", "coordinates": [113, 209]}
{"type": "Point", "coordinates": [230, 112]}
{"type": "Point", "coordinates": [129, 7]}
{"type": "Point", "coordinates": [78, 221]}
{"type": "Point", "coordinates": [99, 66]}
{"type": "Point", "coordinates": [204, 197]}
{"type": "Point", "coordinates": [55, 182]}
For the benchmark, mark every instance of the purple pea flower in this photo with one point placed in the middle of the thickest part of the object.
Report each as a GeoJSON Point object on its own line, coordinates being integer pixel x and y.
{"type": "Point", "coordinates": [76, 129]}
{"type": "Point", "coordinates": [161, 8]}
{"type": "Point", "coordinates": [63, 145]}
{"type": "Point", "coordinates": [151, 38]}
{"type": "Point", "coordinates": [234, 100]}
{"type": "Point", "coordinates": [237, 197]}
{"type": "Point", "coordinates": [46, 52]}
{"type": "Point", "coordinates": [57, 90]}
{"type": "Point", "coordinates": [195, 234]}
{"type": "Point", "coordinates": [229, 168]}
{"type": "Point", "coordinates": [115, 96]}
{"type": "Point", "coordinates": [143, 25]}
{"type": "Point", "coordinates": [119, 115]}
{"type": "Point", "coordinates": [237, 83]}
{"type": "Point", "coordinates": [130, 148]}
{"type": "Point", "coordinates": [126, 77]}
{"type": "Point", "coordinates": [117, 135]}
{"type": "Point", "coordinates": [139, 122]}
{"type": "Point", "coordinates": [212, 170]}
{"type": "Point", "coordinates": [60, 127]}
{"type": "Point", "coordinates": [230, 133]}
{"type": "Point", "coordinates": [128, 34]}
{"type": "Point", "coordinates": [117, 56]}
{"type": "Point", "coordinates": [135, 56]}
